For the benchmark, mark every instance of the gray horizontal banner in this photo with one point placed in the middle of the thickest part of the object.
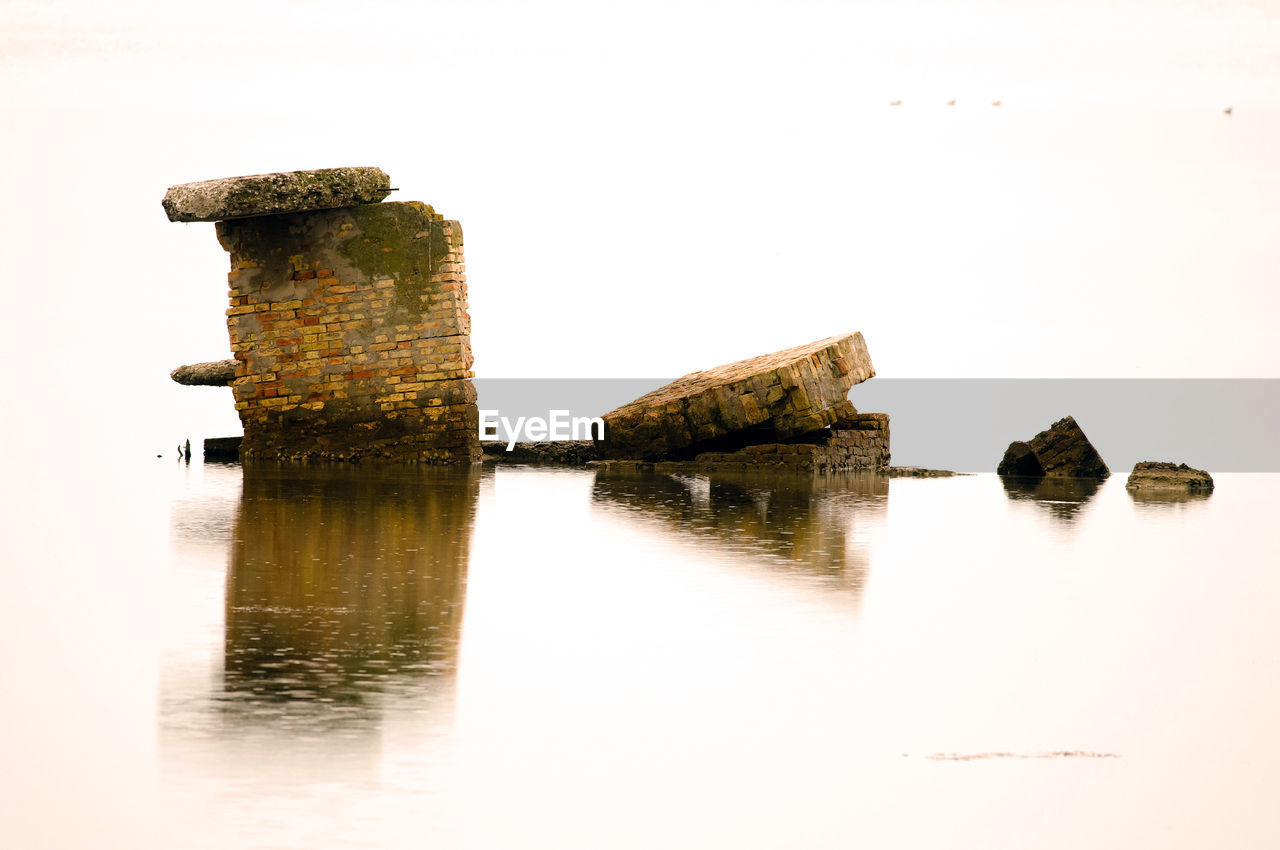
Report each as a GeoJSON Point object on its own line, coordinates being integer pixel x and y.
{"type": "Point", "coordinates": [1222, 425]}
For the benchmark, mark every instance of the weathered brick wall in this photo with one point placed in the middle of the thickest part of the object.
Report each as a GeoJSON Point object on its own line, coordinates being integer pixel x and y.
{"type": "Point", "coordinates": [351, 335]}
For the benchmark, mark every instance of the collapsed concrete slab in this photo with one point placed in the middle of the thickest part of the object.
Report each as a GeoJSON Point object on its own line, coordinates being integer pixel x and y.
{"type": "Point", "coordinates": [784, 394]}
{"type": "Point", "coordinates": [273, 194]}
{"type": "Point", "coordinates": [1160, 477]}
{"type": "Point", "coordinates": [217, 373]}
{"type": "Point", "coordinates": [1061, 451]}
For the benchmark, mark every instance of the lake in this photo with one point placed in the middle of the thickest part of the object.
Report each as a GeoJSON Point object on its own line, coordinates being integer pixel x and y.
{"type": "Point", "coordinates": [546, 657]}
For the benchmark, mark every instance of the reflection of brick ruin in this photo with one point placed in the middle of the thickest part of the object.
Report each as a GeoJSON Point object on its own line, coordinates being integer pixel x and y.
{"type": "Point", "coordinates": [341, 579]}
{"type": "Point", "coordinates": [348, 318]}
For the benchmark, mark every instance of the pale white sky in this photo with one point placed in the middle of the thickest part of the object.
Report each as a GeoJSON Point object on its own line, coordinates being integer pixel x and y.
{"type": "Point", "coordinates": [651, 189]}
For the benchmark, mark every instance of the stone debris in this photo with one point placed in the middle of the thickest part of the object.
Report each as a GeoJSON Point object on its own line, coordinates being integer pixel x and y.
{"type": "Point", "coordinates": [218, 373]}
{"type": "Point", "coordinates": [274, 194]}
{"type": "Point", "coordinates": [785, 394]}
{"type": "Point", "coordinates": [1160, 477]}
{"type": "Point", "coordinates": [921, 472]}
{"type": "Point", "coordinates": [1061, 451]}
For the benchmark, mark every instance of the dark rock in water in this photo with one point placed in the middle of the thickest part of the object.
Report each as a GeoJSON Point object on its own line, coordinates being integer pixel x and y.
{"type": "Point", "coordinates": [273, 194]}
{"type": "Point", "coordinates": [222, 448]}
{"type": "Point", "coordinates": [1061, 451]}
{"type": "Point", "coordinates": [217, 373]}
{"type": "Point", "coordinates": [1158, 477]}
{"type": "Point", "coordinates": [1020, 459]}
{"type": "Point", "coordinates": [559, 452]}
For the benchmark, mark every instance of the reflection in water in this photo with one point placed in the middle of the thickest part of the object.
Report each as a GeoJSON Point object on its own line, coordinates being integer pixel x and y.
{"type": "Point", "coordinates": [1167, 499]}
{"type": "Point", "coordinates": [1062, 498]}
{"type": "Point", "coordinates": [819, 523]}
{"type": "Point", "coordinates": [343, 583]}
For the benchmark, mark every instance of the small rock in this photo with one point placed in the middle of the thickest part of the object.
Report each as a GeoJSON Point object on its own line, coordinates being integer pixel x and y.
{"type": "Point", "coordinates": [1156, 476]}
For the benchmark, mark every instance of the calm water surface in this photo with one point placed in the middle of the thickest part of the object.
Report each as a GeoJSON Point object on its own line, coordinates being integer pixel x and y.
{"type": "Point", "coordinates": [531, 657]}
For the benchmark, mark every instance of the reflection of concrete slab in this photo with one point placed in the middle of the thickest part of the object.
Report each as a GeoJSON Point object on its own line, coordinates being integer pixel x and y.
{"type": "Point", "coordinates": [809, 521]}
{"type": "Point", "coordinates": [1060, 497]}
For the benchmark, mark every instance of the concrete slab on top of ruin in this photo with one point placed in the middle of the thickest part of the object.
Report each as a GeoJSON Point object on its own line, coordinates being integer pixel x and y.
{"type": "Point", "coordinates": [274, 194]}
{"type": "Point", "coordinates": [787, 392]}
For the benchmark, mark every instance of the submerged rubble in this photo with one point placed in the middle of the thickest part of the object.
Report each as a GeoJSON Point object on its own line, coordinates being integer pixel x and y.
{"type": "Point", "coordinates": [217, 373]}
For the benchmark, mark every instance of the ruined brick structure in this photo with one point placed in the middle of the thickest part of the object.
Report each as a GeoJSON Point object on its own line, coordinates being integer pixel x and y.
{"type": "Point", "coordinates": [349, 325]}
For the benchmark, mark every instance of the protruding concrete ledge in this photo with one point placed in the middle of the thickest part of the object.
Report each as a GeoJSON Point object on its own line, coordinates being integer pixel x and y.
{"type": "Point", "coordinates": [787, 393]}
{"type": "Point", "coordinates": [216, 373]}
{"type": "Point", "coordinates": [273, 194]}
